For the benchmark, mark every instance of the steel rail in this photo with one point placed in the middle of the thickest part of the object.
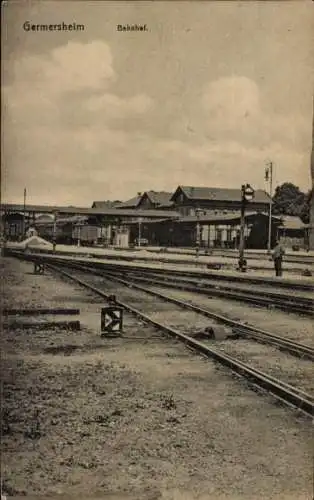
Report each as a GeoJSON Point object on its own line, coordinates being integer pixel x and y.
{"type": "Point", "coordinates": [198, 274]}
{"type": "Point", "coordinates": [207, 283]}
{"type": "Point", "coordinates": [289, 345]}
{"type": "Point", "coordinates": [265, 337]}
{"type": "Point", "coordinates": [253, 298]}
{"type": "Point", "coordinates": [45, 257]}
{"type": "Point", "coordinates": [233, 254]}
{"type": "Point", "coordinates": [295, 306]}
{"type": "Point", "coordinates": [282, 391]}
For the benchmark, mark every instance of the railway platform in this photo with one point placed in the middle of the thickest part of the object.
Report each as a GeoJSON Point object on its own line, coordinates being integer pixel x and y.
{"type": "Point", "coordinates": [289, 278]}
{"type": "Point", "coordinates": [262, 266]}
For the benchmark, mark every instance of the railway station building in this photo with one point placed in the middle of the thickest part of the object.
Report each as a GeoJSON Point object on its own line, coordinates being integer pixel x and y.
{"type": "Point", "coordinates": [189, 216]}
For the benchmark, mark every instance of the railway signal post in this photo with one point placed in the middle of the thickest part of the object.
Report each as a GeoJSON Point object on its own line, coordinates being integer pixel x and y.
{"type": "Point", "coordinates": [111, 320]}
{"type": "Point", "coordinates": [269, 178]}
{"type": "Point", "coordinates": [54, 232]}
{"type": "Point", "coordinates": [247, 195]}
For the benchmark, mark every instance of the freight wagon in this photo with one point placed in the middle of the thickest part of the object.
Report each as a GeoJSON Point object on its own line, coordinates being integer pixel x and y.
{"type": "Point", "coordinates": [86, 234]}
{"type": "Point", "coordinates": [62, 232]}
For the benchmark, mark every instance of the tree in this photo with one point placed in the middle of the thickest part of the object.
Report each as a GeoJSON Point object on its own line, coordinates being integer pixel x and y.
{"type": "Point", "coordinates": [289, 200]}
{"type": "Point", "coordinates": [305, 210]}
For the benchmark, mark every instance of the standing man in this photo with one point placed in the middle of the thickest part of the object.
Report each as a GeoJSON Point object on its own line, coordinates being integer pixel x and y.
{"type": "Point", "coordinates": [278, 253]}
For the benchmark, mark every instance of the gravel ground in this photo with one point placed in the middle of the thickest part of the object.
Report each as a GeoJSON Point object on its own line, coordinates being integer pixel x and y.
{"type": "Point", "coordinates": [264, 357]}
{"type": "Point", "coordinates": [140, 417]}
{"type": "Point", "coordinates": [273, 361]}
{"type": "Point", "coordinates": [289, 325]}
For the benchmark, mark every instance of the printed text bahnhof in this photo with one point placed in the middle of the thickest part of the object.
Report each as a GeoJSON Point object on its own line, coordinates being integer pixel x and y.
{"type": "Point", "coordinates": [28, 26]}
{"type": "Point", "coordinates": [132, 27]}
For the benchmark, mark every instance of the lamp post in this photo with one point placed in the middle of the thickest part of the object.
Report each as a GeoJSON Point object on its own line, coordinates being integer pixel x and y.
{"type": "Point", "coordinates": [79, 234]}
{"type": "Point", "coordinates": [247, 194]}
{"type": "Point", "coordinates": [198, 226]}
{"type": "Point", "coordinates": [198, 230]}
{"type": "Point", "coordinates": [269, 178]}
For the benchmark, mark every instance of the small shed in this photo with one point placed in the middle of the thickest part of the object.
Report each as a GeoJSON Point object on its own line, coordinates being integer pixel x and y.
{"type": "Point", "coordinates": [292, 232]}
{"type": "Point", "coordinates": [15, 225]}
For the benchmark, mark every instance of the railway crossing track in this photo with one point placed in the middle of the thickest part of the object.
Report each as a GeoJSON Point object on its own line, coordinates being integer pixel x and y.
{"type": "Point", "coordinates": [289, 345]}
{"type": "Point", "coordinates": [281, 390]}
{"type": "Point", "coordinates": [166, 270]}
{"type": "Point", "coordinates": [286, 344]}
{"type": "Point", "coordinates": [290, 303]}
{"type": "Point", "coordinates": [239, 288]}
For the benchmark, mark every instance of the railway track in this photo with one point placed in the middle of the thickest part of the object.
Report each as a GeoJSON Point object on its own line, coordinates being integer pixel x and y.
{"type": "Point", "coordinates": [258, 334]}
{"type": "Point", "coordinates": [262, 336]}
{"type": "Point", "coordinates": [231, 285]}
{"type": "Point", "coordinates": [234, 254]}
{"type": "Point", "coordinates": [290, 303]}
{"type": "Point", "coordinates": [209, 285]}
{"type": "Point", "coordinates": [281, 390]}
{"type": "Point", "coordinates": [196, 274]}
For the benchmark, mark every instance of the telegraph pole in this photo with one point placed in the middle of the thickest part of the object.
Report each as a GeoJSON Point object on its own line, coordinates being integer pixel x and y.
{"type": "Point", "coordinates": [24, 213]}
{"type": "Point", "coordinates": [269, 178]}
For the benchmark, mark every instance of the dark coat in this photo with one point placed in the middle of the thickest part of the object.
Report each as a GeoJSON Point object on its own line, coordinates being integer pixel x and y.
{"type": "Point", "coordinates": [278, 252]}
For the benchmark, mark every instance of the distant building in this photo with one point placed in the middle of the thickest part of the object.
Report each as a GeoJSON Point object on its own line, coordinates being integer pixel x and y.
{"type": "Point", "coordinates": [106, 204]}
{"type": "Point", "coordinates": [188, 200]}
{"type": "Point", "coordinates": [156, 200]}
{"type": "Point", "coordinates": [132, 203]}
{"type": "Point", "coordinates": [311, 225]}
{"type": "Point", "coordinates": [310, 229]}
{"type": "Point", "coordinates": [292, 232]}
{"type": "Point", "coordinates": [14, 225]}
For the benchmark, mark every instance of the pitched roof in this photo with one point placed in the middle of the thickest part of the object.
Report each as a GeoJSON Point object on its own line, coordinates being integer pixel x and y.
{"type": "Point", "coordinates": [114, 212]}
{"type": "Point", "coordinates": [220, 194]}
{"type": "Point", "coordinates": [63, 220]}
{"type": "Point", "coordinates": [133, 202]}
{"type": "Point", "coordinates": [161, 198]}
{"type": "Point", "coordinates": [292, 222]}
{"type": "Point", "coordinates": [105, 204]}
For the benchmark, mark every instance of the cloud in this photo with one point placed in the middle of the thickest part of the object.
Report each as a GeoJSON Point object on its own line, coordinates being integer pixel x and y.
{"type": "Point", "coordinates": [59, 88]}
{"type": "Point", "coordinates": [232, 99]}
{"type": "Point", "coordinates": [71, 139]}
{"type": "Point", "coordinates": [60, 115]}
{"type": "Point", "coordinates": [81, 66]}
{"type": "Point", "coordinates": [116, 107]}
{"type": "Point", "coordinates": [234, 109]}
{"type": "Point", "coordinates": [70, 67]}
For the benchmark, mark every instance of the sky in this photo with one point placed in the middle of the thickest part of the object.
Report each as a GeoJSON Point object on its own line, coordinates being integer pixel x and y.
{"type": "Point", "coordinates": [206, 96]}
